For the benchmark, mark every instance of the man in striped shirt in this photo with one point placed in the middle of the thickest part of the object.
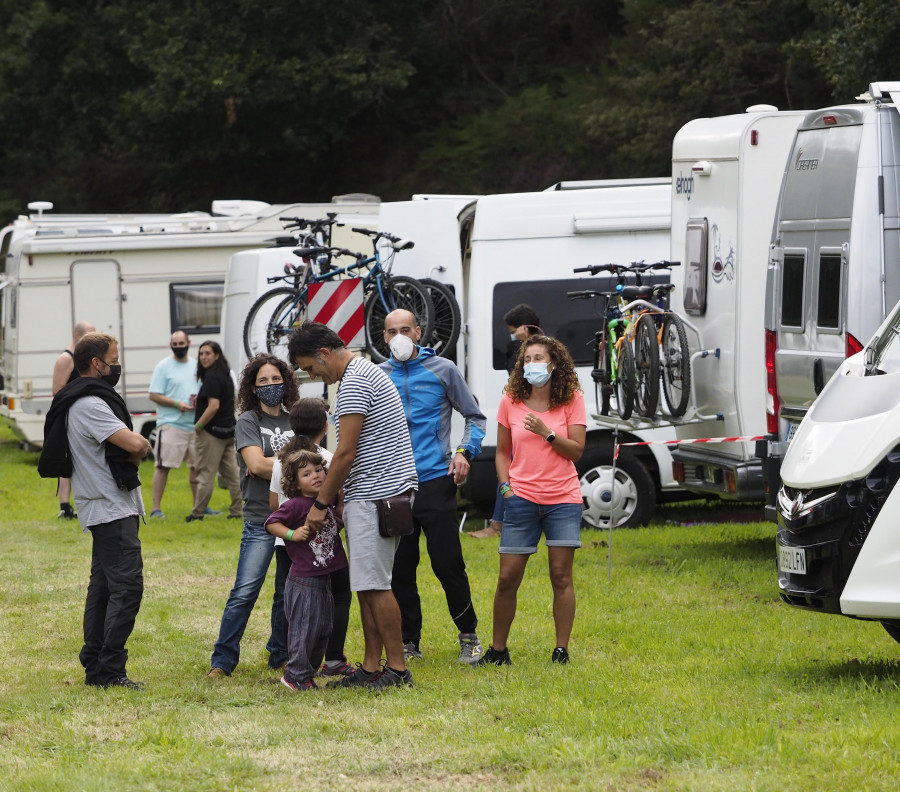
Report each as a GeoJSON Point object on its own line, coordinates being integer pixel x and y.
{"type": "Point", "coordinates": [373, 460]}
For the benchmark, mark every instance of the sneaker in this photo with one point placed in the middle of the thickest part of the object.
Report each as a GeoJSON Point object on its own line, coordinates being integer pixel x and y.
{"type": "Point", "coordinates": [470, 648]}
{"type": "Point", "coordinates": [358, 677]}
{"type": "Point", "coordinates": [66, 512]}
{"type": "Point", "coordinates": [157, 513]}
{"type": "Point", "coordinates": [191, 518]}
{"type": "Point", "coordinates": [122, 682]}
{"type": "Point", "coordinates": [235, 516]}
{"type": "Point", "coordinates": [411, 651]}
{"type": "Point", "coordinates": [560, 655]}
{"type": "Point", "coordinates": [211, 511]}
{"type": "Point", "coordinates": [298, 686]}
{"type": "Point", "coordinates": [493, 657]}
{"type": "Point", "coordinates": [335, 668]}
{"type": "Point", "coordinates": [217, 673]}
{"type": "Point", "coordinates": [389, 678]}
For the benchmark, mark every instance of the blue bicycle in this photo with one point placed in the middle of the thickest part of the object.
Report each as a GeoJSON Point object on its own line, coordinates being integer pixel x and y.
{"type": "Point", "coordinates": [275, 315]}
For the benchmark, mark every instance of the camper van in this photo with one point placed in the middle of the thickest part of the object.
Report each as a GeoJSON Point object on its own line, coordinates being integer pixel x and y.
{"type": "Point", "coordinates": [497, 251]}
{"type": "Point", "coordinates": [839, 507]}
{"type": "Point", "coordinates": [138, 277]}
{"type": "Point", "coordinates": [726, 173]}
{"type": "Point", "coordinates": [834, 266]}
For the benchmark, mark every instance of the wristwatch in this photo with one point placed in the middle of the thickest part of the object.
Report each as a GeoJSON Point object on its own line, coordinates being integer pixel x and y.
{"type": "Point", "coordinates": [465, 452]}
{"type": "Point", "coordinates": [550, 437]}
{"type": "Point", "coordinates": [320, 506]}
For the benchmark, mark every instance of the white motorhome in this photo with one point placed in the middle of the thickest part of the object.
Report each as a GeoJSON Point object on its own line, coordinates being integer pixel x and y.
{"type": "Point", "coordinates": [726, 173]}
{"type": "Point", "coordinates": [138, 277]}
{"type": "Point", "coordinates": [834, 268]}
{"type": "Point", "coordinates": [500, 250]}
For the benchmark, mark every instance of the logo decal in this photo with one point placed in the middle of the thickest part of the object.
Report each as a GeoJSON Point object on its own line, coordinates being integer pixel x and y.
{"type": "Point", "coordinates": [721, 270]}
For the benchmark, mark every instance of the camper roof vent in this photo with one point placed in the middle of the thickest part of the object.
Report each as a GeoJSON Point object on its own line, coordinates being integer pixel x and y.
{"type": "Point", "coordinates": [238, 208]}
{"type": "Point", "coordinates": [880, 92]}
{"type": "Point", "coordinates": [40, 207]}
{"type": "Point", "coordinates": [367, 198]}
{"type": "Point", "coordinates": [762, 108]}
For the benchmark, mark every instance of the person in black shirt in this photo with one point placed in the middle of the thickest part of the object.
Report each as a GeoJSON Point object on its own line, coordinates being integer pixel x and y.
{"type": "Point", "coordinates": [214, 426]}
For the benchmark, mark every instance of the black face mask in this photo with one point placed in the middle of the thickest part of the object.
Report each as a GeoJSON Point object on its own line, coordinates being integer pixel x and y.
{"type": "Point", "coordinates": [180, 352]}
{"type": "Point", "coordinates": [112, 378]}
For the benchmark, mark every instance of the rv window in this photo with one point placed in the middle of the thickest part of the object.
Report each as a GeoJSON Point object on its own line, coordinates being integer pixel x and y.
{"type": "Point", "coordinates": [4, 247]}
{"type": "Point", "coordinates": [196, 307]}
{"type": "Point", "coordinates": [695, 269]}
{"type": "Point", "coordinates": [829, 307]}
{"type": "Point", "coordinates": [792, 290]}
{"type": "Point", "coordinates": [573, 322]}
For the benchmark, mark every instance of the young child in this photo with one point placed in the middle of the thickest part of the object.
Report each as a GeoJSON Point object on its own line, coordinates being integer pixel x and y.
{"type": "Point", "coordinates": [314, 555]}
{"type": "Point", "coordinates": [309, 422]}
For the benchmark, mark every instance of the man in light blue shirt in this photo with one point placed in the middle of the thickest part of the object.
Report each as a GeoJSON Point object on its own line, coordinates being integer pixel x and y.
{"type": "Point", "coordinates": [173, 389]}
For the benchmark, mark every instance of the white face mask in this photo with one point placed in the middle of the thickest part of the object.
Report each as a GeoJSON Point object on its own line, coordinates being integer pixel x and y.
{"type": "Point", "coordinates": [402, 348]}
{"type": "Point", "coordinates": [537, 374]}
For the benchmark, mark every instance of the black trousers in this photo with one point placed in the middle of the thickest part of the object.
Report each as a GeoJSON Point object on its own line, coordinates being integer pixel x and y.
{"type": "Point", "coordinates": [434, 514]}
{"type": "Point", "coordinates": [113, 599]}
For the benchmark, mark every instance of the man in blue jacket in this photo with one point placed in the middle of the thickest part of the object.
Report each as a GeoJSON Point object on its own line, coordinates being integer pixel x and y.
{"type": "Point", "coordinates": [431, 388]}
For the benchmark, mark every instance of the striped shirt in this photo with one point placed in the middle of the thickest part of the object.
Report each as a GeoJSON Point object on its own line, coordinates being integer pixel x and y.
{"type": "Point", "coordinates": [384, 463]}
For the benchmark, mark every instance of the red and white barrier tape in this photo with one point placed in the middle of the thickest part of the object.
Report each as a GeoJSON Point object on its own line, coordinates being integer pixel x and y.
{"type": "Point", "coordinates": [686, 442]}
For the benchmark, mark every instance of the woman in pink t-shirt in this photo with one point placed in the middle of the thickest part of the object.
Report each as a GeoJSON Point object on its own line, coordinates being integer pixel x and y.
{"type": "Point", "coordinates": [541, 425]}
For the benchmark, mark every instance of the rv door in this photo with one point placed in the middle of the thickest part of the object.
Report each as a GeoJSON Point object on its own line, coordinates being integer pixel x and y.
{"type": "Point", "coordinates": [97, 298]}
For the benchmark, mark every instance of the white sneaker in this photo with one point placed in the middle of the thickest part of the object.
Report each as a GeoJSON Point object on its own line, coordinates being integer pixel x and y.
{"type": "Point", "coordinates": [470, 648]}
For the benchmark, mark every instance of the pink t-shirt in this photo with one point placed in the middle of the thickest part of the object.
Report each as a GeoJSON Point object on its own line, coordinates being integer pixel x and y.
{"type": "Point", "coordinates": [538, 473]}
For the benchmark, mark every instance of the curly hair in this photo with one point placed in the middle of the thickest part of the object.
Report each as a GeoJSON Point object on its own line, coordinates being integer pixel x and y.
{"type": "Point", "coordinates": [248, 400]}
{"type": "Point", "coordinates": [291, 464]}
{"type": "Point", "coordinates": [563, 380]}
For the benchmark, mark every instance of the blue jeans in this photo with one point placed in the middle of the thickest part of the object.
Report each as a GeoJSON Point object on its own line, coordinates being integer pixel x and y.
{"type": "Point", "coordinates": [525, 521]}
{"type": "Point", "coordinates": [257, 548]}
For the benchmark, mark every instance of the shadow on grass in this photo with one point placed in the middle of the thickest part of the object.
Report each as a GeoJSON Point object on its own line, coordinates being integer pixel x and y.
{"type": "Point", "coordinates": [868, 670]}
{"type": "Point", "coordinates": [740, 548]}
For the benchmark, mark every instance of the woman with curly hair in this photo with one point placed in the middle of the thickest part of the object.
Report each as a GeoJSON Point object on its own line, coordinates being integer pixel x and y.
{"type": "Point", "coordinates": [266, 392]}
{"type": "Point", "coordinates": [540, 435]}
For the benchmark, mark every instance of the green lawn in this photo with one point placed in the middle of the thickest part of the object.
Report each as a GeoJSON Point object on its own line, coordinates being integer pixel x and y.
{"type": "Point", "coordinates": [687, 674]}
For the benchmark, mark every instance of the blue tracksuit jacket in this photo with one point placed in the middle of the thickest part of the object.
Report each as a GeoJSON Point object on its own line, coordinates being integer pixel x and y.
{"type": "Point", "coordinates": [431, 387]}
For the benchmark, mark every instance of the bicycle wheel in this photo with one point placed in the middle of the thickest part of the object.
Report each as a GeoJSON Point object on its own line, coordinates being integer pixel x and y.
{"type": "Point", "coordinates": [600, 373]}
{"type": "Point", "coordinates": [397, 291]}
{"type": "Point", "coordinates": [675, 365]}
{"type": "Point", "coordinates": [256, 325]}
{"type": "Point", "coordinates": [646, 363]}
{"type": "Point", "coordinates": [625, 380]}
{"type": "Point", "coordinates": [447, 319]}
{"type": "Point", "coordinates": [288, 315]}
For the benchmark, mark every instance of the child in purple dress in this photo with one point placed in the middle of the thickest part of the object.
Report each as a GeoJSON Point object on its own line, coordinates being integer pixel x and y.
{"type": "Point", "coordinates": [314, 555]}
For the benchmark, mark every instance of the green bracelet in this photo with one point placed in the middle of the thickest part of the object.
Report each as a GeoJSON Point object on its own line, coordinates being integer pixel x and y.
{"type": "Point", "coordinates": [504, 488]}
{"type": "Point", "coordinates": [289, 534]}
{"type": "Point", "coordinates": [198, 425]}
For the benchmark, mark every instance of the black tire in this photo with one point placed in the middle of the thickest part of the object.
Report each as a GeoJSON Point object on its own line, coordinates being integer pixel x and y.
{"type": "Point", "coordinates": [625, 385]}
{"type": "Point", "coordinates": [892, 629]}
{"type": "Point", "coordinates": [646, 363]}
{"type": "Point", "coordinates": [629, 503]}
{"type": "Point", "coordinates": [288, 315]}
{"type": "Point", "coordinates": [399, 292]}
{"type": "Point", "coordinates": [600, 375]}
{"type": "Point", "coordinates": [256, 325]}
{"type": "Point", "coordinates": [447, 318]}
{"type": "Point", "coordinates": [675, 366]}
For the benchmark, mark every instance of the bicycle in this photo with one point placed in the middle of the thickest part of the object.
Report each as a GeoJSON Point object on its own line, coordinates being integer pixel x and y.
{"type": "Point", "coordinates": [613, 369]}
{"type": "Point", "coordinates": [275, 314]}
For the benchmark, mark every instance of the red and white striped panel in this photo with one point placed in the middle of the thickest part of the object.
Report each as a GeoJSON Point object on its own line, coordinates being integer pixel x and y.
{"type": "Point", "coordinates": [339, 304]}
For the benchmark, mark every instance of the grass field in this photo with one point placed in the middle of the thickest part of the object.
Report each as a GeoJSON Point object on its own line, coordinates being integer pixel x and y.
{"type": "Point", "coordinates": [687, 674]}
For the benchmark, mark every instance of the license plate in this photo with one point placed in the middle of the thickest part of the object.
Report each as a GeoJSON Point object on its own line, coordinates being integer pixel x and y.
{"type": "Point", "coordinates": [792, 560]}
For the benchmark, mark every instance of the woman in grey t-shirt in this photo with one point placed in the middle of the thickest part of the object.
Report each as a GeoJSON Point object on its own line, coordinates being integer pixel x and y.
{"type": "Point", "coordinates": [267, 390]}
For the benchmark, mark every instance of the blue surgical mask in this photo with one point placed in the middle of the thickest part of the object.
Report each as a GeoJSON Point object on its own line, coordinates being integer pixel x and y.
{"type": "Point", "coordinates": [270, 395]}
{"type": "Point", "coordinates": [537, 374]}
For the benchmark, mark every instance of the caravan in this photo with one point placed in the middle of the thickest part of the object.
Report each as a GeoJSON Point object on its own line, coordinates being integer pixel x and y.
{"type": "Point", "coordinates": [138, 277]}
{"type": "Point", "coordinates": [497, 251]}
{"type": "Point", "coordinates": [726, 173]}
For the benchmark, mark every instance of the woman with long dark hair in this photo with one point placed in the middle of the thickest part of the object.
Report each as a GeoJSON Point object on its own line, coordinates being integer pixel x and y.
{"type": "Point", "coordinates": [267, 391]}
{"type": "Point", "coordinates": [214, 428]}
{"type": "Point", "coordinates": [541, 427]}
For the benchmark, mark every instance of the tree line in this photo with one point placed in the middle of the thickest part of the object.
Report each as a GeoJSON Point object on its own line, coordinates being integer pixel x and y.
{"type": "Point", "coordinates": [163, 106]}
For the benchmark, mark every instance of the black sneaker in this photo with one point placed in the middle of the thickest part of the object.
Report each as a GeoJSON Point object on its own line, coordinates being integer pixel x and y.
{"type": "Point", "coordinates": [122, 682]}
{"type": "Point", "coordinates": [192, 518]}
{"type": "Point", "coordinates": [356, 678]}
{"type": "Point", "coordinates": [560, 655]}
{"type": "Point", "coordinates": [493, 657]}
{"type": "Point", "coordinates": [389, 678]}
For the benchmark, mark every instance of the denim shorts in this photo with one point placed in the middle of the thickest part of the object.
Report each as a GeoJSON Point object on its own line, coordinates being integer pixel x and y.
{"type": "Point", "coordinates": [524, 521]}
